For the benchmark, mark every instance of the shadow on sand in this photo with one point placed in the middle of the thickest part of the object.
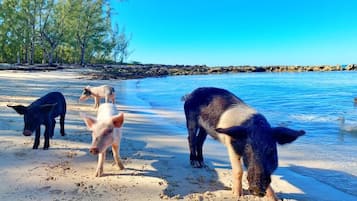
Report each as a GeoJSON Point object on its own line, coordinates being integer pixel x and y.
{"type": "Point", "coordinates": [332, 184]}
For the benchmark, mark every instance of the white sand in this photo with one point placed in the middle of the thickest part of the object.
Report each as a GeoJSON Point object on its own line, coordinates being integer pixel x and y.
{"type": "Point", "coordinates": [155, 157]}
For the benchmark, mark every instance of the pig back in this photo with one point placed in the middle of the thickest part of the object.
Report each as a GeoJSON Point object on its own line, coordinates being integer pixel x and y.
{"type": "Point", "coordinates": [103, 90]}
{"type": "Point", "coordinates": [209, 103]}
{"type": "Point", "coordinates": [104, 115]}
{"type": "Point", "coordinates": [106, 111]}
{"type": "Point", "coordinates": [216, 108]}
{"type": "Point", "coordinates": [52, 98]}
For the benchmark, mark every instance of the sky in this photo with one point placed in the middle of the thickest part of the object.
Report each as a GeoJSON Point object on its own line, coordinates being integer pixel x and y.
{"type": "Point", "coordinates": [240, 32]}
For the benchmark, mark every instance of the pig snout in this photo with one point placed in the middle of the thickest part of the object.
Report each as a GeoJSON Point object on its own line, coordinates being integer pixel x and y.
{"type": "Point", "coordinates": [94, 150]}
{"type": "Point", "coordinates": [255, 190]}
{"type": "Point", "coordinates": [82, 98]}
{"type": "Point", "coordinates": [27, 133]}
{"type": "Point", "coordinates": [258, 181]}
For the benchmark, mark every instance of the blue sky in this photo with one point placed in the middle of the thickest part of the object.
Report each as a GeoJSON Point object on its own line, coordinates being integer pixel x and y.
{"type": "Point", "coordinates": [240, 32]}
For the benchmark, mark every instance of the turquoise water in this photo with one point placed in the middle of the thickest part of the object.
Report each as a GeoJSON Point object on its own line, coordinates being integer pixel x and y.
{"type": "Point", "coordinates": [313, 101]}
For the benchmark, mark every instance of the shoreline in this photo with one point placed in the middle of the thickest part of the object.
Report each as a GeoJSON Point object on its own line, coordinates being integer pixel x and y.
{"type": "Point", "coordinates": [138, 71]}
{"type": "Point", "coordinates": [155, 156]}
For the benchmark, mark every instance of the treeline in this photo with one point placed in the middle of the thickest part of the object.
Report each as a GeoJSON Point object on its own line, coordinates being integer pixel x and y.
{"type": "Point", "coordinates": [60, 31]}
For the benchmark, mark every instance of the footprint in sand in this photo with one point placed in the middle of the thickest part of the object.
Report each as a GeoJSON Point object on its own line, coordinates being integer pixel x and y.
{"type": "Point", "coordinates": [20, 155]}
{"type": "Point", "coordinates": [56, 191]}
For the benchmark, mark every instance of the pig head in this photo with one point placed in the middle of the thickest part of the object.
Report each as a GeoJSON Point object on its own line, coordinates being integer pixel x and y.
{"type": "Point", "coordinates": [106, 131]}
{"type": "Point", "coordinates": [245, 132]}
{"type": "Point", "coordinates": [34, 116]}
{"type": "Point", "coordinates": [255, 141]}
{"type": "Point", "coordinates": [43, 111]}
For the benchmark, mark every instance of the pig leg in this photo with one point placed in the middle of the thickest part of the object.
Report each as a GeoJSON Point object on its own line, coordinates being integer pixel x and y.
{"type": "Point", "coordinates": [52, 128]}
{"type": "Point", "coordinates": [96, 102]}
{"type": "Point", "coordinates": [116, 156]}
{"type": "Point", "coordinates": [48, 132]}
{"type": "Point", "coordinates": [200, 140]}
{"type": "Point", "coordinates": [112, 97]}
{"type": "Point", "coordinates": [62, 124]}
{"type": "Point", "coordinates": [270, 195]}
{"type": "Point", "coordinates": [101, 159]}
{"type": "Point", "coordinates": [237, 171]}
{"type": "Point", "coordinates": [37, 138]}
{"type": "Point", "coordinates": [192, 141]}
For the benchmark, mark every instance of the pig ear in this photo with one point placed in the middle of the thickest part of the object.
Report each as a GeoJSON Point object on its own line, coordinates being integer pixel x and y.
{"type": "Point", "coordinates": [236, 132]}
{"type": "Point", "coordinates": [47, 107]}
{"type": "Point", "coordinates": [118, 120]}
{"type": "Point", "coordinates": [286, 135]}
{"type": "Point", "coordinates": [19, 108]}
{"type": "Point", "coordinates": [89, 121]}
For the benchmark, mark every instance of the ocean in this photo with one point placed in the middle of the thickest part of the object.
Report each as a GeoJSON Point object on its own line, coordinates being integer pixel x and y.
{"type": "Point", "coordinates": [321, 103]}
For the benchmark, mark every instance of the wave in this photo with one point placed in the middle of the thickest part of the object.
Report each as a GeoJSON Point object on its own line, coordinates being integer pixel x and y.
{"type": "Point", "coordinates": [313, 118]}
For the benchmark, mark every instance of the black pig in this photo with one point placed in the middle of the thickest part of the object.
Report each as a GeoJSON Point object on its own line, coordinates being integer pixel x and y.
{"type": "Point", "coordinates": [245, 132]}
{"type": "Point", "coordinates": [43, 111]}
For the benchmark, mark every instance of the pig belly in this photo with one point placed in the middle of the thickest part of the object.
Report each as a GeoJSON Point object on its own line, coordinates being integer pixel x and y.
{"type": "Point", "coordinates": [211, 131]}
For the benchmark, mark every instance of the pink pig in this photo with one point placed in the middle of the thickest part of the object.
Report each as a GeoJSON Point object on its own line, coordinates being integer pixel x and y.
{"type": "Point", "coordinates": [103, 91]}
{"type": "Point", "coordinates": [106, 131]}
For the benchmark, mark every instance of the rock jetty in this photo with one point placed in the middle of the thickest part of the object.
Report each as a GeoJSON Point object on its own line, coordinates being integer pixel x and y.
{"type": "Point", "coordinates": [157, 70]}
{"type": "Point", "coordinates": [134, 71]}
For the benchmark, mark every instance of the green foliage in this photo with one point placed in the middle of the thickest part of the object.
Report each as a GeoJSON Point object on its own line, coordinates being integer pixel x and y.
{"type": "Point", "coordinates": [51, 31]}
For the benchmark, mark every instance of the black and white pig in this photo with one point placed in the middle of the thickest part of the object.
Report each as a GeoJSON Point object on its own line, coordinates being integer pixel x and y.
{"type": "Point", "coordinates": [245, 132]}
{"type": "Point", "coordinates": [43, 111]}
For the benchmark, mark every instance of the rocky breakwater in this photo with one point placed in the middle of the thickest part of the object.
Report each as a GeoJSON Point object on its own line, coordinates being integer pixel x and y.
{"type": "Point", "coordinates": [131, 71]}
{"type": "Point", "coordinates": [157, 70]}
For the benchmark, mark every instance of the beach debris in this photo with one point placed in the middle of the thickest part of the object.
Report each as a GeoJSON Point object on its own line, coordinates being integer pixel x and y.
{"type": "Point", "coordinates": [43, 111]}
{"type": "Point", "coordinates": [103, 91]}
{"type": "Point", "coordinates": [245, 132]}
{"type": "Point", "coordinates": [347, 127]}
{"type": "Point", "coordinates": [106, 131]}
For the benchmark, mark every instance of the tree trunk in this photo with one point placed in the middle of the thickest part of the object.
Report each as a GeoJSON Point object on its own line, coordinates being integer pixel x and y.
{"type": "Point", "coordinates": [43, 56]}
{"type": "Point", "coordinates": [18, 57]}
{"type": "Point", "coordinates": [50, 57]}
{"type": "Point", "coordinates": [33, 36]}
{"type": "Point", "coordinates": [82, 63]}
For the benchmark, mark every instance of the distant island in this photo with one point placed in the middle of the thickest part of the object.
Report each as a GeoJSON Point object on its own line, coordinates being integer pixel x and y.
{"type": "Point", "coordinates": [135, 71]}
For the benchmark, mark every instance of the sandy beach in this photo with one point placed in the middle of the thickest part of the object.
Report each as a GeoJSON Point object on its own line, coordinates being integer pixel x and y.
{"type": "Point", "coordinates": [155, 157]}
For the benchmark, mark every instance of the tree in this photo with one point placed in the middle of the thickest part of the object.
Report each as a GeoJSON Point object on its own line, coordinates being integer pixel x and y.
{"type": "Point", "coordinates": [75, 31]}
{"type": "Point", "coordinates": [51, 27]}
{"type": "Point", "coordinates": [121, 45]}
{"type": "Point", "coordinates": [28, 12]}
{"type": "Point", "coordinates": [88, 21]}
{"type": "Point", "coordinates": [11, 34]}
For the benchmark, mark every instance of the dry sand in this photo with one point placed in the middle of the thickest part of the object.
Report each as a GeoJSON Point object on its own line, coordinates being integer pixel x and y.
{"type": "Point", "coordinates": [155, 159]}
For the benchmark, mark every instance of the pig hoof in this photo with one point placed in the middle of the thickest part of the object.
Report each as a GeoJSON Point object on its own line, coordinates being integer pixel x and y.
{"type": "Point", "coordinates": [238, 193]}
{"type": "Point", "coordinates": [98, 173]}
{"type": "Point", "coordinates": [120, 166]}
{"type": "Point", "coordinates": [197, 164]}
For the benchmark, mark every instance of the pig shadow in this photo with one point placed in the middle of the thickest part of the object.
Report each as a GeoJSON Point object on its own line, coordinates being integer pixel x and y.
{"type": "Point", "coordinates": [342, 181]}
{"type": "Point", "coordinates": [171, 166]}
